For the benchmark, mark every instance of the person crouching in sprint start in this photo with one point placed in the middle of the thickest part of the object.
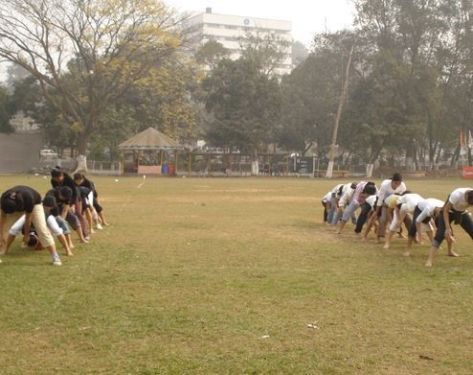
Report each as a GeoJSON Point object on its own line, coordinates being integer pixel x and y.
{"type": "Point", "coordinates": [363, 190]}
{"type": "Point", "coordinates": [454, 209]}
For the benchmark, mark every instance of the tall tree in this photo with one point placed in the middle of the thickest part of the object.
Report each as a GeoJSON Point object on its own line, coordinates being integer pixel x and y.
{"type": "Point", "coordinates": [244, 104]}
{"type": "Point", "coordinates": [114, 44]}
{"type": "Point", "coordinates": [5, 110]}
{"type": "Point", "coordinates": [266, 51]}
{"type": "Point", "coordinates": [311, 94]}
{"type": "Point", "coordinates": [211, 53]}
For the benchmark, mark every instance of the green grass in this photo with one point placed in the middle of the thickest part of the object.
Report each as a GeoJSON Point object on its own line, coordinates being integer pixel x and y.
{"type": "Point", "coordinates": [194, 273]}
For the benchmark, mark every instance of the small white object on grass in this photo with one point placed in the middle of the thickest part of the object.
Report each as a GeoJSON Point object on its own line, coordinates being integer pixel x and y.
{"type": "Point", "coordinates": [265, 337]}
{"type": "Point", "coordinates": [116, 180]}
{"type": "Point", "coordinates": [36, 174]}
{"type": "Point", "coordinates": [144, 177]}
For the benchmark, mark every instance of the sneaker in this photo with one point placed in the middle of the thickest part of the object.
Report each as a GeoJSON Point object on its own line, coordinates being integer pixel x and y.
{"type": "Point", "coordinates": [57, 262]}
{"type": "Point", "coordinates": [99, 226]}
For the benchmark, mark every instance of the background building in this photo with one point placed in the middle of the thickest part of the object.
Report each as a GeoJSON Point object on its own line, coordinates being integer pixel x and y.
{"type": "Point", "coordinates": [229, 30]}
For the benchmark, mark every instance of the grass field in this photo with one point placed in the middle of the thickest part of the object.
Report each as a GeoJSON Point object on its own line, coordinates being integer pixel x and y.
{"type": "Point", "coordinates": [223, 276]}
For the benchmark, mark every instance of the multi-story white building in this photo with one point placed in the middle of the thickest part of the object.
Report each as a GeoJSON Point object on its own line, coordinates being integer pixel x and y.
{"type": "Point", "coordinates": [230, 30]}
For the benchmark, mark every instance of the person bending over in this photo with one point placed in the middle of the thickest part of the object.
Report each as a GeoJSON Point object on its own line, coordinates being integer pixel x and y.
{"type": "Point", "coordinates": [19, 227]}
{"type": "Point", "coordinates": [363, 190]}
{"type": "Point", "coordinates": [454, 210]}
{"type": "Point", "coordinates": [426, 213]}
{"type": "Point", "coordinates": [23, 199]}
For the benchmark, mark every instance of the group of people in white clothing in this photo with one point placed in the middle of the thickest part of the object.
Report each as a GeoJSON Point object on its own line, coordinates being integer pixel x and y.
{"type": "Point", "coordinates": [385, 209]}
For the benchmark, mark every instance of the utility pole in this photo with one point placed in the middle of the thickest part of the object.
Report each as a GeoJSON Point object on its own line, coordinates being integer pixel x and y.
{"type": "Point", "coordinates": [343, 95]}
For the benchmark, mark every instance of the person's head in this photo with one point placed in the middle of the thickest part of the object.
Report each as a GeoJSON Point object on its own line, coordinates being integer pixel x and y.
{"type": "Point", "coordinates": [57, 174]}
{"type": "Point", "coordinates": [12, 203]}
{"type": "Point", "coordinates": [32, 240]}
{"type": "Point", "coordinates": [353, 185]}
{"type": "Point", "coordinates": [78, 178]}
{"type": "Point", "coordinates": [396, 180]}
{"type": "Point", "coordinates": [469, 197]}
{"type": "Point", "coordinates": [49, 203]}
{"type": "Point", "coordinates": [65, 193]}
{"type": "Point", "coordinates": [369, 189]}
{"type": "Point", "coordinates": [392, 201]}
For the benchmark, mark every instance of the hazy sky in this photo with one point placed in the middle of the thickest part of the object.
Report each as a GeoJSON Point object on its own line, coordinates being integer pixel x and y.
{"type": "Point", "coordinates": [307, 16]}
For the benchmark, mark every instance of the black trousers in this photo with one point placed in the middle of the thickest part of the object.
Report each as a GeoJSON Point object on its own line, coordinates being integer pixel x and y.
{"type": "Point", "coordinates": [365, 210]}
{"type": "Point", "coordinates": [456, 217]}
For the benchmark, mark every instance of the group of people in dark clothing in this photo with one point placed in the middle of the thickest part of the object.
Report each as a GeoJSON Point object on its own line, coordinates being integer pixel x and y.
{"type": "Point", "coordinates": [70, 205]}
{"type": "Point", "coordinates": [386, 208]}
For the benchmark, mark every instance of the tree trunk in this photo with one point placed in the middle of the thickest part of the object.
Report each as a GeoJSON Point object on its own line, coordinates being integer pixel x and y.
{"type": "Point", "coordinates": [82, 143]}
{"type": "Point", "coordinates": [455, 156]}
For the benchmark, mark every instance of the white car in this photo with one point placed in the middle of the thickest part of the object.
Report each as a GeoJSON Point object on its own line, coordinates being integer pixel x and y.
{"type": "Point", "coordinates": [47, 154]}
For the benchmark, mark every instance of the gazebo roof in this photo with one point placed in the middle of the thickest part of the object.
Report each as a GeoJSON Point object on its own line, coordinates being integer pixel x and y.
{"type": "Point", "coordinates": [150, 139]}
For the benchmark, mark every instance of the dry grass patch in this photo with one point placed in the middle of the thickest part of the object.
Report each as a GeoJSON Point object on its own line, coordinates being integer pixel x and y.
{"type": "Point", "coordinates": [226, 280]}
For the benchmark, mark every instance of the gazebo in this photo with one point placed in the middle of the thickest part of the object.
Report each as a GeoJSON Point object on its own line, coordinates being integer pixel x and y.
{"type": "Point", "coordinates": [151, 153]}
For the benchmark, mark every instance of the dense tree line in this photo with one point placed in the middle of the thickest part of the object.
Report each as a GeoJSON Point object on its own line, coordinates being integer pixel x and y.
{"type": "Point", "coordinates": [410, 84]}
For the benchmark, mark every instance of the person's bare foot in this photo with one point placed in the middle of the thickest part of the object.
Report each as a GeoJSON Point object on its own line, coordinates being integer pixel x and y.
{"type": "Point", "coordinates": [386, 247]}
{"type": "Point", "coordinates": [407, 253]}
{"type": "Point", "coordinates": [428, 264]}
{"type": "Point", "coordinates": [70, 254]}
{"type": "Point", "coordinates": [452, 253]}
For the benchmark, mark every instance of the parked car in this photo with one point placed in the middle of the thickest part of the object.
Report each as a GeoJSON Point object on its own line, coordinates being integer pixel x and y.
{"type": "Point", "coordinates": [47, 154]}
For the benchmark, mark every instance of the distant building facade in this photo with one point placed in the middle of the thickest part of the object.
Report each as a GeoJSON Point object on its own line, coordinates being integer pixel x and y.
{"type": "Point", "coordinates": [229, 30]}
{"type": "Point", "coordinates": [23, 124]}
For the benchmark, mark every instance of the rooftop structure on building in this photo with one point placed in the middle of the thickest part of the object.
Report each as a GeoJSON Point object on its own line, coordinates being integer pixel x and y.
{"type": "Point", "coordinates": [230, 30]}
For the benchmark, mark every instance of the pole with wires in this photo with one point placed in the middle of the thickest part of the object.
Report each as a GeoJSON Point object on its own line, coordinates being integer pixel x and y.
{"type": "Point", "coordinates": [334, 147]}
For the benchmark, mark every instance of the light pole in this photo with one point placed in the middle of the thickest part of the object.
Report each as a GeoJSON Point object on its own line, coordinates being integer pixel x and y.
{"type": "Point", "coordinates": [343, 95]}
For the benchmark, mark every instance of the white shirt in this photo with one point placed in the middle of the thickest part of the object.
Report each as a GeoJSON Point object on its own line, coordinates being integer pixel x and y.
{"type": "Point", "coordinates": [386, 190]}
{"type": "Point", "coordinates": [346, 197]}
{"type": "Point", "coordinates": [427, 207]}
{"type": "Point", "coordinates": [327, 198]}
{"type": "Point", "coordinates": [346, 189]}
{"type": "Point", "coordinates": [411, 201]}
{"type": "Point", "coordinates": [457, 199]}
{"type": "Point", "coordinates": [371, 200]}
{"type": "Point", "coordinates": [336, 188]}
